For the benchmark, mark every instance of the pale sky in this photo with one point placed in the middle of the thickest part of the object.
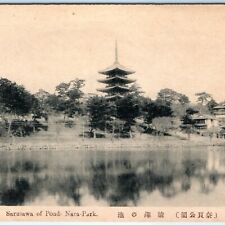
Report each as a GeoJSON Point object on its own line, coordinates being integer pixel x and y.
{"type": "Point", "coordinates": [178, 47]}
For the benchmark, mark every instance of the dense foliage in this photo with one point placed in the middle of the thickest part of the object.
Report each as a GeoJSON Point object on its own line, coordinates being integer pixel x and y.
{"type": "Point", "coordinates": [66, 100]}
{"type": "Point", "coordinates": [114, 116]}
{"type": "Point", "coordinates": [100, 112]}
{"type": "Point", "coordinates": [14, 98]}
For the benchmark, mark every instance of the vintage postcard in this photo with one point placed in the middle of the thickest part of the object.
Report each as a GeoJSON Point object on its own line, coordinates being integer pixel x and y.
{"type": "Point", "coordinates": [112, 112]}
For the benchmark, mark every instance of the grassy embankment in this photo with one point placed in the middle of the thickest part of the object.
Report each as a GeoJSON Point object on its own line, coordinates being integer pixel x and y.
{"type": "Point", "coordinates": [59, 137]}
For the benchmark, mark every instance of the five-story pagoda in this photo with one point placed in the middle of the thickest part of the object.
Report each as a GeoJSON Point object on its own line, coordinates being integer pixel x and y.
{"type": "Point", "coordinates": [117, 81]}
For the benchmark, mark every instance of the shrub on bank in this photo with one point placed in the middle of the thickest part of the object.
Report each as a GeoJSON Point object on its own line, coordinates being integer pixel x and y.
{"type": "Point", "coordinates": [21, 128]}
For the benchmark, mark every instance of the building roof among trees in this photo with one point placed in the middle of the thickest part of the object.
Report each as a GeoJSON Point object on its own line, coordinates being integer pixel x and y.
{"type": "Point", "coordinates": [202, 117]}
{"type": "Point", "coordinates": [220, 106]}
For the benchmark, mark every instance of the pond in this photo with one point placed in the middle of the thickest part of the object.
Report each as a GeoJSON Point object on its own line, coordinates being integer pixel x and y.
{"type": "Point", "coordinates": [163, 177]}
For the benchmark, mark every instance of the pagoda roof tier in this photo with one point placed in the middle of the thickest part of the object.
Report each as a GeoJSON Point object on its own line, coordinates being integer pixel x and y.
{"type": "Point", "coordinates": [116, 79]}
{"type": "Point", "coordinates": [116, 68]}
{"type": "Point", "coordinates": [114, 96]}
{"type": "Point", "coordinates": [115, 88]}
{"type": "Point", "coordinates": [221, 106]}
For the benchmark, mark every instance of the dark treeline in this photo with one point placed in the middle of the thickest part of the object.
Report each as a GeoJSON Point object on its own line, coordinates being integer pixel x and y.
{"type": "Point", "coordinates": [20, 110]}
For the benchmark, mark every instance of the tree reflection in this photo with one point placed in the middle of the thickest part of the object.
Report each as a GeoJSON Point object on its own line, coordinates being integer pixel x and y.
{"type": "Point", "coordinates": [209, 182]}
{"type": "Point", "coordinates": [118, 181]}
{"type": "Point", "coordinates": [127, 189]}
{"type": "Point", "coordinates": [17, 194]}
{"type": "Point", "coordinates": [26, 166]}
{"type": "Point", "coordinates": [214, 177]}
{"type": "Point", "coordinates": [99, 183]}
{"type": "Point", "coordinates": [185, 183]}
{"type": "Point", "coordinates": [193, 166]}
{"type": "Point", "coordinates": [64, 186]}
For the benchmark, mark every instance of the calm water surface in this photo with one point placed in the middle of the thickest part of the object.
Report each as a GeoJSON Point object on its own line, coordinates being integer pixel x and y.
{"type": "Point", "coordinates": [167, 177]}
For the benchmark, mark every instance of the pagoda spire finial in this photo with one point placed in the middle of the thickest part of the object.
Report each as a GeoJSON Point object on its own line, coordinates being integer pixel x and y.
{"type": "Point", "coordinates": [116, 52]}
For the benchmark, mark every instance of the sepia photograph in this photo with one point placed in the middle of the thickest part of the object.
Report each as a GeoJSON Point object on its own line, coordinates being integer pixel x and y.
{"type": "Point", "coordinates": [112, 105]}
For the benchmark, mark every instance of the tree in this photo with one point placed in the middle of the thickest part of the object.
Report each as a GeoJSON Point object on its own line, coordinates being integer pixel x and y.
{"type": "Point", "coordinates": [127, 109]}
{"type": "Point", "coordinates": [72, 90]}
{"type": "Point", "coordinates": [206, 100]}
{"type": "Point", "coordinates": [211, 104]}
{"type": "Point", "coordinates": [187, 120]}
{"type": "Point", "coordinates": [53, 103]}
{"type": "Point", "coordinates": [202, 109]}
{"type": "Point", "coordinates": [168, 96]}
{"type": "Point", "coordinates": [179, 110]}
{"type": "Point", "coordinates": [203, 97]}
{"type": "Point", "coordinates": [41, 108]}
{"type": "Point", "coordinates": [42, 95]}
{"type": "Point", "coordinates": [136, 90]}
{"type": "Point", "coordinates": [162, 124]}
{"type": "Point", "coordinates": [99, 111]}
{"type": "Point", "coordinates": [152, 109]}
{"type": "Point", "coordinates": [14, 99]}
{"type": "Point", "coordinates": [67, 98]}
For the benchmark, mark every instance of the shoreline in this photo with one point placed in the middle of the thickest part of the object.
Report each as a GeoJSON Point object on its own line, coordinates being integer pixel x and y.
{"type": "Point", "coordinates": [133, 145]}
